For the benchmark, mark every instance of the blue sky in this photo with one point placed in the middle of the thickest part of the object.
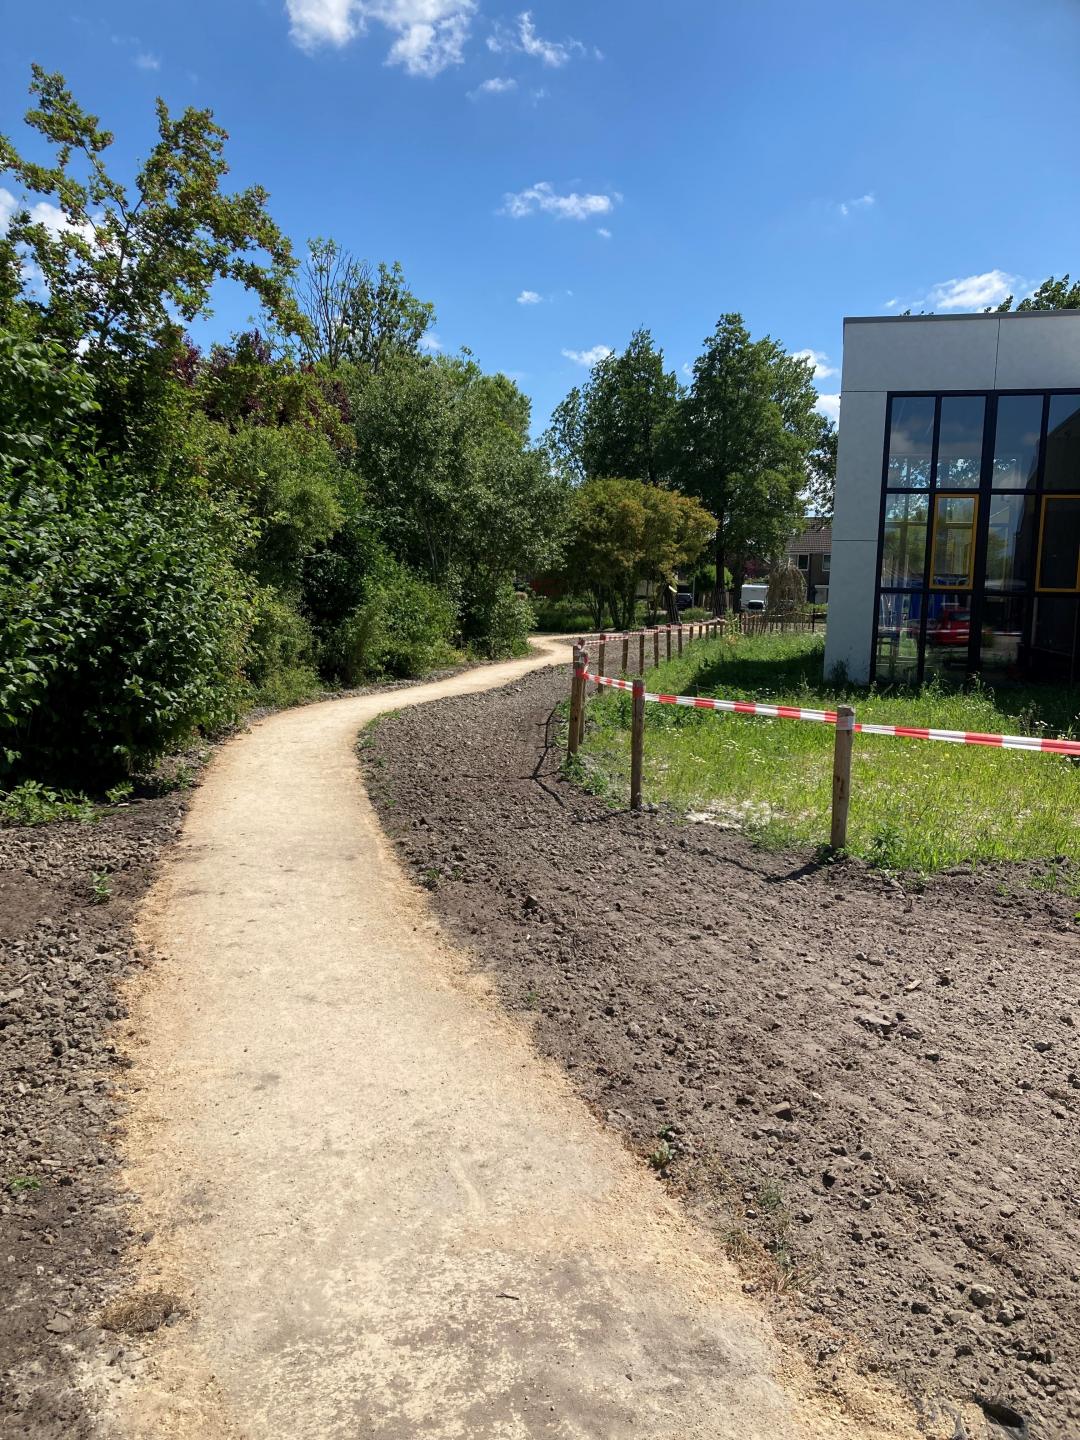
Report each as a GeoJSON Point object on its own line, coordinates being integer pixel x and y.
{"type": "Point", "coordinates": [553, 178]}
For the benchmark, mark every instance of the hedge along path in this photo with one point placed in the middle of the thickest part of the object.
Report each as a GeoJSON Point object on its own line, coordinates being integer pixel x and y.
{"type": "Point", "coordinates": [388, 1216]}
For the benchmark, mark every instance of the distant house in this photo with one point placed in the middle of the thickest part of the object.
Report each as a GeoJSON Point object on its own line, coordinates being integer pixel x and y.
{"type": "Point", "coordinates": [811, 551]}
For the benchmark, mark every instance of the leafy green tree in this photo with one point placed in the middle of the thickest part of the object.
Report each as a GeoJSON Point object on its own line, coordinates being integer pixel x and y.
{"type": "Point", "coordinates": [1052, 294]}
{"type": "Point", "coordinates": [746, 430]}
{"type": "Point", "coordinates": [619, 422]}
{"type": "Point", "coordinates": [821, 467]}
{"type": "Point", "coordinates": [354, 313]}
{"type": "Point", "coordinates": [626, 533]}
{"type": "Point", "coordinates": [121, 266]}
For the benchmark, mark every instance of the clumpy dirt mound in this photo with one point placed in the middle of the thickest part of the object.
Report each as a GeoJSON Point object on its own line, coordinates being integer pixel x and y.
{"type": "Point", "coordinates": [870, 1090]}
{"type": "Point", "coordinates": [67, 892]}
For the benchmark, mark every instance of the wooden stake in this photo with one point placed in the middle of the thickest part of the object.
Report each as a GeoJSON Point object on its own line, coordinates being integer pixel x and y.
{"type": "Point", "coordinates": [625, 655]}
{"type": "Point", "coordinates": [680, 639]}
{"type": "Point", "coordinates": [637, 743]}
{"type": "Point", "coordinates": [577, 692]}
{"type": "Point", "coordinates": [641, 654]}
{"type": "Point", "coordinates": [841, 779]}
{"type": "Point", "coordinates": [669, 642]}
{"type": "Point", "coordinates": [600, 660]}
{"type": "Point", "coordinates": [655, 648]}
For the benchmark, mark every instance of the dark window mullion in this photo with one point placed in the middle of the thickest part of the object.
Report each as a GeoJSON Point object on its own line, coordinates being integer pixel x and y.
{"type": "Point", "coordinates": [880, 541]}
{"type": "Point", "coordinates": [982, 532]}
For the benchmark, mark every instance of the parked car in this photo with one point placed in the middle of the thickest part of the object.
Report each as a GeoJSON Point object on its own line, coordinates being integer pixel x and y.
{"type": "Point", "coordinates": [684, 599]}
{"type": "Point", "coordinates": [953, 627]}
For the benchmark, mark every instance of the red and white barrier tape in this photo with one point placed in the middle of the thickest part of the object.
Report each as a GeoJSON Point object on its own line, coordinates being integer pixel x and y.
{"type": "Point", "coordinates": [828, 717]}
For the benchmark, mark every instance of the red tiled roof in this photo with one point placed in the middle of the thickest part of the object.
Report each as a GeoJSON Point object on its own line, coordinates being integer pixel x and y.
{"type": "Point", "coordinates": [814, 540]}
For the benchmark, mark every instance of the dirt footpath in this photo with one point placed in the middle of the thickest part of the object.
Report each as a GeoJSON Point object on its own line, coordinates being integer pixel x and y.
{"type": "Point", "coordinates": [379, 1211]}
{"type": "Point", "coordinates": [870, 1092]}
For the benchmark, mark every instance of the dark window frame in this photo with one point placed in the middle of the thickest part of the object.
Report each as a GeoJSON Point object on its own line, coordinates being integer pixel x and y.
{"type": "Point", "coordinates": [984, 491]}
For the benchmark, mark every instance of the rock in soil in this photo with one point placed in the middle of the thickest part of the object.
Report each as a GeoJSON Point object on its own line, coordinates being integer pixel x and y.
{"type": "Point", "coordinates": [871, 1090]}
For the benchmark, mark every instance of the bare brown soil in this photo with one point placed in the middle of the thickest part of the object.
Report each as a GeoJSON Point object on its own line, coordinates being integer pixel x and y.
{"type": "Point", "coordinates": [67, 895]}
{"type": "Point", "coordinates": [870, 1089]}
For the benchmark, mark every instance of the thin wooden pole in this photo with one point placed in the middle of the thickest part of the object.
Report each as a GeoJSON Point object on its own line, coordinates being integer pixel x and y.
{"type": "Point", "coordinates": [637, 743]}
{"type": "Point", "coordinates": [841, 778]}
{"type": "Point", "coordinates": [669, 642]}
{"type": "Point", "coordinates": [625, 655]}
{"type": "Point", "coordinates": [600, 659]}
{"type": "Point", "coordinates": [641, 654]}
{"type": "Point", "coordinates": [680, 639]}
{"type": "Point", "coordinates": [655, 648]}
{"type": "Point", "coordinates": [577, 693]}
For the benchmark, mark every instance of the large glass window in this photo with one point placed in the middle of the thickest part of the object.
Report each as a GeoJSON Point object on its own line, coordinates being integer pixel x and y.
{"type": "Point", "coordinates": [953, 560]}
{"type": "Point", "coordinates": [911, 443]}
{"type": "Point", "coordinates": [980, 541]}
{"type": "Point", "coordinates": [903, 550]}
{"type": "Point", "coordinates": [960, 442]}
{"type": "Point", "coordinates": [1016, 441]}
{"type": "Point", "coordinates": [1063, 444]}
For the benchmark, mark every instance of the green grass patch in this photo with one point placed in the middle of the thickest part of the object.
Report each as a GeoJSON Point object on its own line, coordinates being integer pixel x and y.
{"type": "Point", "coordinates": [916, 804]}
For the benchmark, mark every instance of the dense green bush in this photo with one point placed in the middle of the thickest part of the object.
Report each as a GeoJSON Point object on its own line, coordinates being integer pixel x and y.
{"type": "Point", "coordinates": [280, 663]}
{"type": "Point", "coordinates": [498, 620]}
{"type": "Point", "coordinates": [402, 627]}
{"type": "Point", "coordinates": [123, 626]}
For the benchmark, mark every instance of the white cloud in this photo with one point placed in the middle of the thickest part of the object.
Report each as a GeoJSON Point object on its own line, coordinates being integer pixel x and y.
{"type": "Point", "coordinates": [8, 206]}
{"type": "Point", "coordinates": [603, 232]}
{"type": "Point", "coordinates": [145, 61]}
{"type": "Point", "coordinates": [861, 202]}
{"type": "Point", "coordinates": [529, 297]}
{"type": "Point", "coordinates": [526, 41]}
{"type": "Point", "coordinates": [431, 343]}
{"type": "Point", "coordinates": [588, 357]}
{"type": "Point", "coordinates": [497, 85]}
{"type": "Point", "coordinates": [42, 212]}
{"type": "Point", "coordinates": [430, 34]}
{"type": "Point", "coordinates": [829, 405]}
{"type": "Point", "coordinates": [819, 360]}
{"type": "Point", "coordinates": [542, 197]}
{"type": "Point", "coordinates": [973, 292]}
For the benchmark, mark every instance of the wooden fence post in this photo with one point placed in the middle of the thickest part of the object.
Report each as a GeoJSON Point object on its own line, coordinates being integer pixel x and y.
{"type": "Point", "coordinates": [600, 660]}
{"type": "Point", "coordinates": [680, 639]}
{"type": "Point", "coordinates": [841, 779]}
{"type": "Point", "coordinates": [577, 696]}
{"type": "Point", "coordinates": [669, 642]}
{"type": "Point", "coordinates": [637, 743]}
{"type": "Point", "coordinates": [655, 648]}
{"type": "Point", "coordinates": [625, 655]}
{"type": "Point", "coordinates": [641, 654]}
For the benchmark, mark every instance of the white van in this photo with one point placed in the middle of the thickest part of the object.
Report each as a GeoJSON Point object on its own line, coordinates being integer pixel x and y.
{"type": "Point", "coordinates": [754, 597]}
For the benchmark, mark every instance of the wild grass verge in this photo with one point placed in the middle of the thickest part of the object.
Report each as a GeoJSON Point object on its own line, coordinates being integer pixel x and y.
{"type": "Point", "coordinates": [916, 805]}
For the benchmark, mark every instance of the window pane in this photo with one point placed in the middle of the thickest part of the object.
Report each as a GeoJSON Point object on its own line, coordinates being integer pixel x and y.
{"type": "Point", "coordinates": [954, 540]}
{"type": "Point", "coordinates": [1000, 640]}
{"type": "Point", "coordinates": [1063, 443]}
{"type": "Point", "coordinates": [898, 638]}
{"type": "Point", "coordinates": [960, 442]}
{"type": "Point", "coordinates": [911, 441]}
{"type": "Point", "coordinates": [903, 550]}
{"type": "Point", "coordinates": [1054, 637]}
{"type": "Point", "coordinates": [948, 630]}
{"type": "Point", "coordinates": [1059, 543]}
{"type": "Point", "coordinates": [1008, 542]}
{"type": "Point", "coordinates": [1016, 441]}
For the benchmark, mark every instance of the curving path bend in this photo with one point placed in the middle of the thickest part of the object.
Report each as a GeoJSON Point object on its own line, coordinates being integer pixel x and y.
{"type": "Point", "coordinates": [389, 1217]}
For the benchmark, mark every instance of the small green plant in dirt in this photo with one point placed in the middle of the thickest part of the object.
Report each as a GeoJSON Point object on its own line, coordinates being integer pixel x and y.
{"type": "Point", "coordinates": [118, 794]}
{"type": "Point", "coordinates": [431, 878]}
{"type": "Point", "coordinates": [532, 999]}
{"type": "Point", "coordinates": [916, 806]}
{"type": "Point", "coordinates": [34, 804]}
{"type": "Point", "coordinates": [21, 1184]}
{"type": "Point", "coordinates": [101, 887]}
{"type": "Point", "coordinates": [662, 1156]}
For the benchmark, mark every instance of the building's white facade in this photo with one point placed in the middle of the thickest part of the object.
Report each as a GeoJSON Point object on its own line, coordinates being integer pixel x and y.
{"type": "Point", "coordinates": [936, 356]}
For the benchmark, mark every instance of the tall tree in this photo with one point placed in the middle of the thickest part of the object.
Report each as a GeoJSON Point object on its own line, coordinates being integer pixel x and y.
{"type": "Point", "coordinates": [747, 427]}
{"type": "Point", "coordinates": [353, 312]}
{"type": "Point", "coordinates": [1052, 294]}
{"type": "Point", "coordinates": [821, 468]}
{"type": "Point", "coordinates": [619, 422]}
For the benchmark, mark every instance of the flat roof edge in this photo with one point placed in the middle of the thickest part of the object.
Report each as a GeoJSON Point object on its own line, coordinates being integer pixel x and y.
{"type": "Point", "coordinates": [993, 315]}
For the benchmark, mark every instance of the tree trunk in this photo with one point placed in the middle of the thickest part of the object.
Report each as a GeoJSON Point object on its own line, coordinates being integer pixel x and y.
{"type": "Point", "coordinates": [738, 577]}
{"type": "Point", "coordinates": [720, 591]}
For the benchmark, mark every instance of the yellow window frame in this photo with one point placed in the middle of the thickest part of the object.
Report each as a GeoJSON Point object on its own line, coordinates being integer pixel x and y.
{"type": "Point", "coordinates": [1040, 588]}
{"type": "Point", "coordinates": [969, 583]}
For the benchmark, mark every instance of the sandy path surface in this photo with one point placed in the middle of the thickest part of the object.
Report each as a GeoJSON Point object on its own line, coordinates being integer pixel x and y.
{"type": "Point", "coordinates": [388, 1215]}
